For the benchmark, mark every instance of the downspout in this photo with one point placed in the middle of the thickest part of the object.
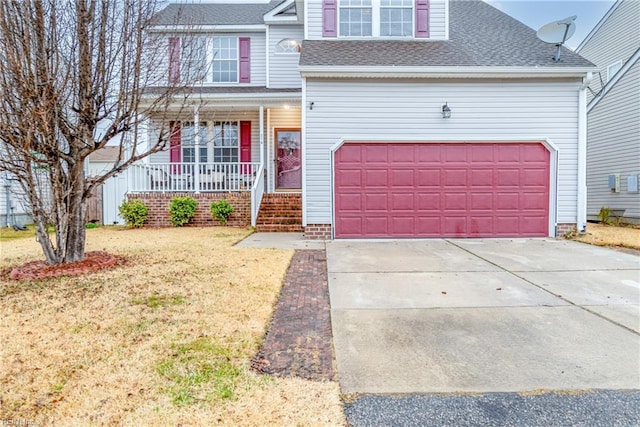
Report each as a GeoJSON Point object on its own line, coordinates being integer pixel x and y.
{"type": "Point", "coordinates": [581, 220]}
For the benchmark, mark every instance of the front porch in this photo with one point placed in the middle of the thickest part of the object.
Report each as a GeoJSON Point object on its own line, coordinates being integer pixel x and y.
{"type": "Point", "coordinates": [157, 183]}
{"type": "Point", "coordinates": [194, 177]}
{"type": "Point", "coordinates": [232, 145]}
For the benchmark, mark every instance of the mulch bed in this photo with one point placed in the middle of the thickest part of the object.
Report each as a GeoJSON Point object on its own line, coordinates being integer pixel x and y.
{"type": "Point", "coordinates": [299, 341]}
{"type": "Point", "coordinates": [92, 261]}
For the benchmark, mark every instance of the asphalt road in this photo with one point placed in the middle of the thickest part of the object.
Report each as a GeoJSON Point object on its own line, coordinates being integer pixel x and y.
{"type": "Point", "coordinates": [607, 408]}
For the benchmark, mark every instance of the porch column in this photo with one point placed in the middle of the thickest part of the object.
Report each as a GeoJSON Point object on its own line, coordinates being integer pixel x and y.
{"type": "Point", "coordinates": [262, 135]}
{"type": "Point", "coordinates": [196, 142]}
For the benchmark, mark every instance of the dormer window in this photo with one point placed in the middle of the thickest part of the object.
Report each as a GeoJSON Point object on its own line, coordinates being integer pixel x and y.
{"type": "Point", "coordinates": [386, 18]}
{"type": "Point", "coordinates": [396, 18]}
{"type": "Point", "coordinates": [375, 18]}
{"type": "Point", "coordinates": [356, 18]}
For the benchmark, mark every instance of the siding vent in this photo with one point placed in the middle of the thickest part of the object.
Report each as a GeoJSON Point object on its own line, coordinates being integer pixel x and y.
{"type": "Point", "coordinates": [632, 183]}
{"type": "Point", "coordinates": [614, 182]}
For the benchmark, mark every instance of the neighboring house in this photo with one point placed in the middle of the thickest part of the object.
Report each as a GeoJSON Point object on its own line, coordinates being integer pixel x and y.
{"type": "Point", "coordinates": [613, 136]}
{"type": "Point", "coordinates": [13, 207]}
{"type": "Point", "coordinates": [102, 161]}
{"type": "Point", "coordinates": [404, 118]}
{"type": "Point", "coordinates": [103, 205]}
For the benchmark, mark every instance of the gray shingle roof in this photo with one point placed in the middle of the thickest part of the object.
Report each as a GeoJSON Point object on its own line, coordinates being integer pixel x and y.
{"type": "Point", "coordinates": [480, 35]}
{"type": "Point", "coordinates": [214, 14]}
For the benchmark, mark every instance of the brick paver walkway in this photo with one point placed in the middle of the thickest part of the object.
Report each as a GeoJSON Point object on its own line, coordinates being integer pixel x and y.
{"type": "Point", "coordinates": [299, 341]}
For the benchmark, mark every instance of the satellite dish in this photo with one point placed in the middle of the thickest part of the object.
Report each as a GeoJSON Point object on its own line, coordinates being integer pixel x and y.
{"type": "Point", "coordinates": [558, 32]}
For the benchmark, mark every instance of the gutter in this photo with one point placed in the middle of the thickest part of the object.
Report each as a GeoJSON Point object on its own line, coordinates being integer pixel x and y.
{"type": "Point", "coordinates": [581, 217]}
{"type": "Point", "coordinates": [442, 72]}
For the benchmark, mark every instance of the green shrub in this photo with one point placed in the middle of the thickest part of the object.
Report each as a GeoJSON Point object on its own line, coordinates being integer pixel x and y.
{"type": "Point", "coordinates": [134, 213]}
{"type": "Point", "coordinates": [181, 210]}
{"type": "Point", "coordinates": [605, 215]}
{"type": "Point", "coordinates": [90, 225]}
{"type": "Point", "coordinates": [221, 210]}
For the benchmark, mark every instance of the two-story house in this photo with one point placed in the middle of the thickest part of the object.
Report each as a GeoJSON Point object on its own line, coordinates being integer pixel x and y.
{"type": "Point", "coordinates": [613, 137]}
{"type": "Point", "coordinates": [387, 118]}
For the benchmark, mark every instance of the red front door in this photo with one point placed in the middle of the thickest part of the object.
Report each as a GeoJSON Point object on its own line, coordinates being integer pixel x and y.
{"type": "Point", "coordinates": [288, 159]}
{"type": "Point", "coordinates": [441, 190]}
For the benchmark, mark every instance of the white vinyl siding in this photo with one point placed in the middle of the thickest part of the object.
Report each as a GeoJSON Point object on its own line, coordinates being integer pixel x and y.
{"type": "Point", "coordinates": [283, 67]}
{"type": "Point", "coordinates": [614, 146]}
{"type": "Point", "coordinates": [18, 202]}
{"type": "Point", "coordinates": [483, 109]}
{"type": "Point", "coordinates": [437, 19]}
{"type": "Point", "coordinates": [279, 118]}
{"type": "Point", "coordinates": [616, 40]}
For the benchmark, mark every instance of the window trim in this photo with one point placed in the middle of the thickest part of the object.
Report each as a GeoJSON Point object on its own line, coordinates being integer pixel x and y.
{"type": "Point", "coordinates": [375, 21]}
{"type": "Point", "coordinates": [288, 39]}
{"type": "Point", "coordinates": [211, 58]}
{"type": "Point", "coordinates": [617, 65]}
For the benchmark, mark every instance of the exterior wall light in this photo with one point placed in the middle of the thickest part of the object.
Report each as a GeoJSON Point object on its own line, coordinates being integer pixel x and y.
{"type": "Point", "coordinates": [446, 111]}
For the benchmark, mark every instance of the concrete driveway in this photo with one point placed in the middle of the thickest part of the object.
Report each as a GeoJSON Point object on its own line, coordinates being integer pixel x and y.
{"type": "Point", "coordinates": [483, 315]}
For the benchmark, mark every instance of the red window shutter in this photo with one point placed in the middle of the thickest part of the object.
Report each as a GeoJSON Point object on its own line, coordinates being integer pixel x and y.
{"type": "Point", "coordinates": [245, 141]}
{"type": "Point", "coordinates": [329, 18]}
{"type": "Point", "coordinates": [174, 59]}
{"type": "Point", "coordinates": [175, 152]}
{"type": "Point", "coordinates": [422, 18]}
{"type": "Point", "coordinates": [245, 59]}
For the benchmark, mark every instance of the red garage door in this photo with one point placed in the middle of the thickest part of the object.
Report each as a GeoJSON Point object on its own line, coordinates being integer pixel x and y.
{"type": "Point", "coordinates": [441, 190]}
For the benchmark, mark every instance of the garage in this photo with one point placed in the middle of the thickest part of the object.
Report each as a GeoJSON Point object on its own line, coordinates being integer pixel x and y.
{"type": "Point", "coordinates": [479, 189]}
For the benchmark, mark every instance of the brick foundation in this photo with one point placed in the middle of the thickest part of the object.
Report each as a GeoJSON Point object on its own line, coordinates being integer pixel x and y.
{"type": "Point", "coordinates": [158, 204]}
{"type": "Point", "coordinates": [317, 232]}
{"type": "Point", "coordinates": [561, 229]}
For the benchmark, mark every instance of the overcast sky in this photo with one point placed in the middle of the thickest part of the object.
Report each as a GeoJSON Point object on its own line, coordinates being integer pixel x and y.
{"type": "Point", "coordinates": [536, 13]}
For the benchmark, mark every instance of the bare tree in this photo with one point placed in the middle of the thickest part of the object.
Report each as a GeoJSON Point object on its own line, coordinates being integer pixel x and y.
{"type": "Point", "coordinates": [68, 69]}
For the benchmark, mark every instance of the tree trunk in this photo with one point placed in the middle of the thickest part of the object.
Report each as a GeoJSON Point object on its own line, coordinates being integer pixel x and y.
{"type": "Point", "coordinates": [75, 211]}
{"type": "Point", "coordinates": [76, 230]}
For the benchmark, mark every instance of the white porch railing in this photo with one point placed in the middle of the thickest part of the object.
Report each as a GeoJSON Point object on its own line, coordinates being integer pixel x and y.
{"type": "Point", "coordinates": [196, 178]}
{"type": "Point", "coordinates": [256, 195]}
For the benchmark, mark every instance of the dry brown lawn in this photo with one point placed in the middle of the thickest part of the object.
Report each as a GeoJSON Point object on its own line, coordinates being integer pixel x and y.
{"type": "Point", "coordinates": [609, 235]}
{"type": "Point", "coordinates": [165, 339]}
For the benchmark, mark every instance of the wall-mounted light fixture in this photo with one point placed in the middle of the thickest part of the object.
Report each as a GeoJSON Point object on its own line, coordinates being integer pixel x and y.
{"type": "Point", "coordinates": [311, 105]}
{"type": "Point", "coordinates": [446, 111]}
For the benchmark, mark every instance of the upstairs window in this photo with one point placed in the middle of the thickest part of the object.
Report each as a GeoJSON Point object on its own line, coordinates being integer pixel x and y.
{"type": "Point", "coordinates": [193, 64]}
{"type": "Point", "coordinates": [288, 46]}
{"type": "Point", "coordinates": [396, 18]}
{"type": "Point", "coordinates": [356, 17]}
{"type": "Point", "coordinates": [225, 60]}
{"type": "Point", "coordinates": [202, 59]}
{"type": "Point", "coordinates": [376, 18]}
